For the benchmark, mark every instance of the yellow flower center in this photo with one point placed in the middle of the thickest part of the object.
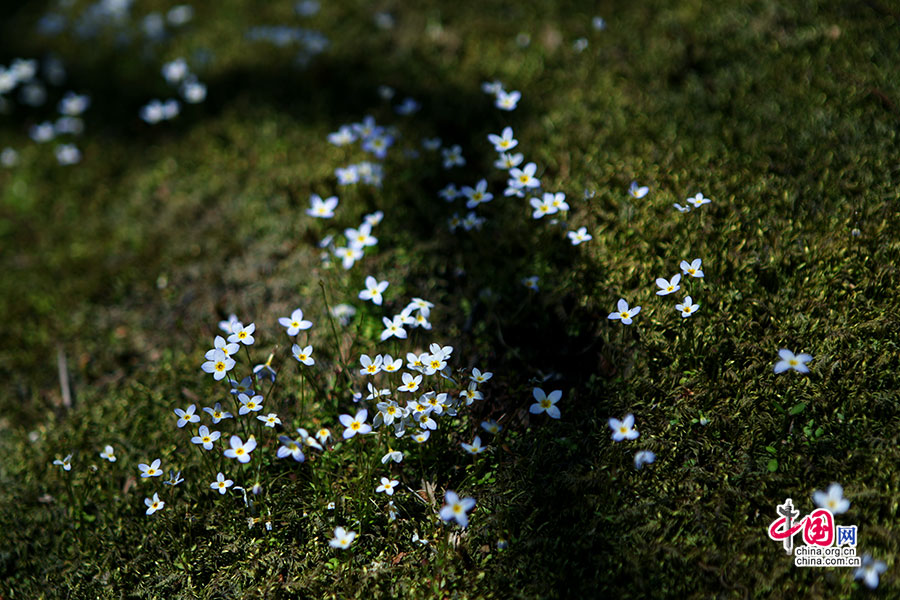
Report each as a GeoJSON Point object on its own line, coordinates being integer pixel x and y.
{"type": "Point", "coordinates": [220, 366]}
{"type": "Point", "coordinates": [355, 425]}
{"type": "Point", "coordinates": [239, 451]}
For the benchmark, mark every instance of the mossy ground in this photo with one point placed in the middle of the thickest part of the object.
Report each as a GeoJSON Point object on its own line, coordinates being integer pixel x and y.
{"type": "Point", "coordinates": [785, 116]}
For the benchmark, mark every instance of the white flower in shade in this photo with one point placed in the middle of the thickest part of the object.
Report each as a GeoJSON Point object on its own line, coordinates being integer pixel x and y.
{"type": "Point", "coordinates": [524, 177]}
{"type": "Point", "coordinates": [387, 486]}
{"type": "Point", "coordinates": [492, 88]}
{"type": "Point", "coordinates": [692, 268]}
{"type": "Point", "coordinates": [374, 290]}
{"type": "Point", "coordinates": [869, 570]}
{"type": "Point", "coordinates": [507, 161]}
{"type": "Point", "coordinates": [681, 209]}
{"type": "Point", "coordinates": [355, 424]}
{"type": "Point", "coordinates": [580, 236]}
{"type": "Point", "coordinates": [295, 323]}
{"type": "Point", "coordinates": [66, 463]}
{"type": "Point", "coordinates": [478, 377]}
{"type": "Point", "coordinates": [342, 538]}
{"type": "Point", "coordinates": [624, 429]}
{"type": "Point", "coordinates": [205, 437]}
{"type": "Point", "coordinates": [108, 454]}
{"type": "Point", "coordinates": [545, 403]}
{"type": "Point", "coordinates": [789, 360]}
{"type": "Point", "coordinates": [636, 191]}
{"type": "Point", "coordinates": [477, 195]}
{"type": "Point", "coordinates": [187, 416]}
{"type": "Point", "coordinates": [687, 308]}
{"type": "Point", "coordinates": [508, 100]}
{"type": "Point", "coordinates": [153, 504]}
{"type": "Point", "coordinates": [241, 450]}
{"type": "Point", "coordinates": [475, 447]}
{"type": "Point", "coordinates": [625, 314]}
{"type": "Point", "coordinates": [322, 209]}
{"type": "Point", "coordinates": [151, 470]}
{"type": "Point", "coordinates": [667, 287]}
{"type": "Point", "coordinates": [453, 157]}
{"type": "Point", "coordinates": [698, 201]}
{"type": "Point", "coordinates": [456, 509]}
{"type": "Point", "coordinates": [290, 448]}
{"type": "Point", "coordinates": [67, 154]}
{"type": "Point", "coordinates": [531, 283]}
{"type": "Point", "coordinates": [833, 499]}
{"type": "Point", "coordinates": [643, 457]}
{"type": "Point", "coordinates": [392, 455]}
{"type": "Point", "coordinates": [221, 484]}
{"type": "Point", "coordinates": [303, 355]}
{"type": "Point", "coordinates": [504, 142]}
{"type": "Point", "coordinates": [492, 427]}
{"type": "Point", "coordinates": [193, 92]}
{"type": "Point", "coordinates": [308, 439]}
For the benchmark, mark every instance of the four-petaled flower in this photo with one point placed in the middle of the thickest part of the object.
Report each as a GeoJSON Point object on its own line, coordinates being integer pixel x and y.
{"type": "Point", "coordinates": [698, 200]}
{"type": "Point", "coordinates": [545, 403]}
{"type": "Point", "coordinates": [65, 463]}
{"type": "Point", "coordinates": [637, 191]}
{"type": "Point", "coordinates": [323, 209]}
{"type": "Point", "coordinates": [342, 538]}
{"type": "Point", "coordinates": [242, 335]}
{"type": "Point", "coordinates": [187, 416]}
{"type": "Point", "coordinates": [290, 448]}
{"type": "Point", "coordinates": [295, 323]}
{"type": "Point", "coordinates": [153, 504]}
{"type": "Point", "coordinates": [624, 313]}
{"type": "Point", "coordinates": [151, 470]}
{"type": "Point", "coordinates": [303, 355]}
{"type": "Point", "coordinates": [476, 448]}
{"type": "Point", "coordinates": [668, 287]}
{"type": "Point", "coordinates": [457, 509]}
{"type": "Point", "coordinates": [869, 570]}
{"type": "Point", "coordinates": [355, 424]}
{"type": "Point", "coordinates": [205, 437]}
{"type": "Point", "coordinates": [241, 450]}
{"type": "Point", "coordinates": [219, 365]}
{"type": "Point", "coordinates": [833, 499]}
{"type": "Point", "coordinates": [374, 290]}
{"type": "Point", "coordinates": [579, 236]}
{"type": "Point", "coordinates": [221, 484]}
{"type": "Point", "coordinates": [687, 308]}
{"type": "Point", "coordinates": [789, 360]}
{"type": "Point", "coordinates": [108, 454]}
{"type": "Point", "coordinates": [624, 429]}
{"type": "Point", "coordinates": [692, 268]}
{"type": "Point", "coordinates": [387, 486]}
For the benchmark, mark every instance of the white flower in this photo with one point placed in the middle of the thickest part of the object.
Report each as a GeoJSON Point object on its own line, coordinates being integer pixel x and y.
{"type": "Point", "coordinates": [342, 538]}
{"type": "Point", "coordinates": [241, 450]}
{"type": "Point", "coordinates": [624, 429]}
{"type": "Point", "coordinates": [692, 269]}
{"type": "Point", "coordinates": [687, 308]}
{"type": "Point", "coordinates": [545, 403]}
{"type": "Point", "coordinates": [153, 504]}
{"type": "Point", "coordinates": [833, 500]}
{"type": "Point", "coordinates": [625, 313]}
{"type": "Point", "coordinates": [579, 236]}
{"type": "Point", "coordinates": [508, 100]}
{"type": "Point", "coordinates": [643, 457]}
{"type": "Point", "coordinates": [668, 287]}
{"type": "Point", "coordinates": [789, 360]}
{"type": "Point", "coordinates": [303, 355]}
{"type": "Point", "coordinates": [355, 424]}
{"type": "Point", "coordinates": [475, 447]}
{"type": "Point", "coordinates": [221, 484]}
{"type": "Point", "coordinates": [637, 191]}
{"type": "Point", "coordinates": [505, 142]}
{"type": "Point", "coordinates": [456, 509]}
{"type": "Point", "coordinates": [374, 290]}
{"type": "Point", "coordinates": [698, 201]}
{"type": "Point", "coordinates": [321, 209]}
{"type": "Point", "coordinates": [387, 486]}
{"type": "Point", "coordinates": [869, 571]}
{"type": "Point", "coordinates": [393, 328]}
{"type": "Point", "coordinates": [295, 323]}
{"type": "Point", "coordinates": [108, 454]}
